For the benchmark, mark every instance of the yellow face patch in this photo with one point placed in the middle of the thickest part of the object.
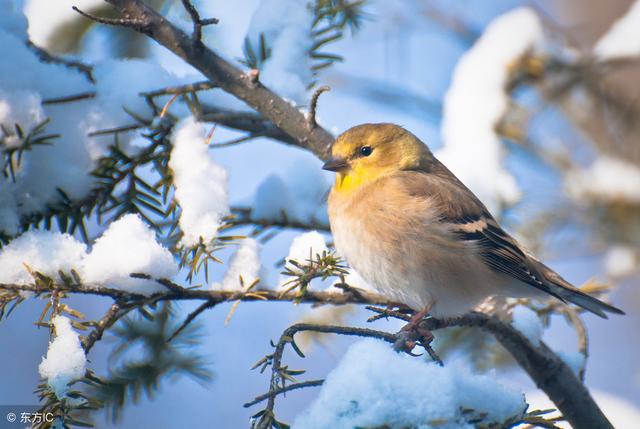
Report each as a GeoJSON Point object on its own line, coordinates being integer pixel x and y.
{"type": "Point", "coordinates": [351, 180]}
{"type": "Point", "coordinates": [391, 149]}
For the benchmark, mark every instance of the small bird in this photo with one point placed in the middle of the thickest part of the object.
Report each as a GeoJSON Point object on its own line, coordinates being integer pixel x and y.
{"type": "Point", "coordinates": [420, 237]}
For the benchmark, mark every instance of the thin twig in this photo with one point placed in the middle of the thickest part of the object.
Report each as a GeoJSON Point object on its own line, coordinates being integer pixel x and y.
{"type": "Point", "coordinates": [173, 287]}
{"type": "Point", "coordinates": [197, 22]}
{"type": "Point", "coordinates": [246, 121]}
{"type": "Point", "coordinates": [69, 98]}
{"type": "Point", "coordinates": [181, 89]}
{"type": "Point", "coordinates": [191, 317]}
{"type": "Point", "coordinates": [242, 217]}
{"type": "Point", "coordinates": [311, 119]}
{"type": "Point", "coordinates": [139, 24]}
{"type": "Point", "coordinates": [178, 293]}
{"type": "Point", "coordinates": [280, 390]}
{"type": "Point", "coordinates": [347, 288]}
{"type": "Point", "coordinates": [581, 332]}
{"type": "Point", "coordinates": [103, 324]}
{"type": "Point", "coordinates": [287, 337]}
{"type": "Point", "coordinates": [45, 56]}
{"type": "Point", "coordinates": [235, 141]}
{"type": "Point", "coordinates": [116, 130]}
{"type": "Point", "coordinates": [383, 313]}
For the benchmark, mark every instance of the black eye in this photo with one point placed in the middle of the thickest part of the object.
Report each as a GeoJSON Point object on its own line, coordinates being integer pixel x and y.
{"type": "Point", "coordinates": [366, 150]}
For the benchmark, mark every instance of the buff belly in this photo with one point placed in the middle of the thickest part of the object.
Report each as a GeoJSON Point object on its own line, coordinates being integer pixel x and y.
{"type": "Point", "coordinates": [412, 272]}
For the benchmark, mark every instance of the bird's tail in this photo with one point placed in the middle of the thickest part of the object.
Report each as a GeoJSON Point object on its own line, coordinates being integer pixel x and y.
{"type": "Point", "coordinates": [567, 292]}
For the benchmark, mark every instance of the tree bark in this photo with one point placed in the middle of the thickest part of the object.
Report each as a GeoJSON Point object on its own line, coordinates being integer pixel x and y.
{"type": "Point", "coordinates": [245, 86]}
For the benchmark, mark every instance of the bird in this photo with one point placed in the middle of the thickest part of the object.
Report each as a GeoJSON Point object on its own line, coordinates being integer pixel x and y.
{"type": "Point", "coordinates": [420, 237]}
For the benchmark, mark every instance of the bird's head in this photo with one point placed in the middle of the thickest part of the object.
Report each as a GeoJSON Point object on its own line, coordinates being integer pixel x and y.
{"type": "Point", "coordinates": [369, 151]}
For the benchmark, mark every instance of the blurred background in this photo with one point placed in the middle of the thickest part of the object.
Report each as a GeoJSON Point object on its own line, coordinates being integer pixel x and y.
{"type": "Point", "coordinates": [570, 138]}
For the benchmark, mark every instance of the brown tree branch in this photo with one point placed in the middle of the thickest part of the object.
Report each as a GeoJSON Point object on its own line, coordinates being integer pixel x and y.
{"type": "Point", "coordinates": [546, 369]}
{"type": "Point", "coordinates": [69, 98]}
{"type": "Point", "coordinates": [180, 89]}
{"type": "Point", "coordinates": [46, 57]}
{"type": "Point", "coordinates": [198, 23]}
{"type": "Point", "coordinates": [278, 372]}
{"type": "Point", "coordinates": [178, 293]}
{"type": "Point", "coordinates": [134, 23]}
{"type": "Point", "coordinates": [191, 317]}
{"type": "Point", "coordinates": [254, 123]}
{"type": "Point", "coordinates": [242, 216]}
{"type": "Point", "coordinates": [140, 17]}
{"type": "Point", "coordinates": [313, 105]}
{"type": "Point", "coordinates": [246, 121]}
{"type": "Point", "coordinates": [110, 317]}
{"type": "Point", "coordinates": [281, 390]}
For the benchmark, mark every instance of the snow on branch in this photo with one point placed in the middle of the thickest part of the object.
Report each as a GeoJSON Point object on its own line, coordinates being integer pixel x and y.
{"type": "Point", "coordinates": [549, 372]}
{"type": "Point", "coordinates": [622, 40]}
{"type": "Point", "coordinates": [244, 267]}
{"type": "Point", "coordinates": [607, 179]}
{"type": "Point", "coordinates": [409, 392]}
{"type": "Point", "coordinates": [476, 102]}
{"type": "Point", "coordinates": [280, 112]}
{"type": "Point", "coordinates": [65, 361]}
{"type": "Point", "coordinates": [127, 246]}
{"type": "Point", "coordinates": [200, 183]}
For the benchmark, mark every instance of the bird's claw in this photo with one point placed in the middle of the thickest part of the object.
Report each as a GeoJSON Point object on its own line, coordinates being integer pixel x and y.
{"type": "Point", "coordinates": [411, 335]}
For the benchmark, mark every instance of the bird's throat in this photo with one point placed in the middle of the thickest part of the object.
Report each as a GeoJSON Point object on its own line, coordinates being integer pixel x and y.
{"type": "Point", "coordinates": [352, 180]}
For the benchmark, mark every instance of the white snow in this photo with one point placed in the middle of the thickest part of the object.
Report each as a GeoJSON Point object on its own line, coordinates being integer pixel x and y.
{"type": "Point", "coordinates": [621, 261]}
{"type": "Point", "coordinates": [22, 107]}
{"type": "Point", "coordinates": [106, 111]}
{"type": "Point", "coordinates": [43, 251]}
{"type": "Point", "coordinates": [24, 81]}
{"type": "Point", "coordinates": [46, 15]}
{"type": "Point", "coordinates": [528, 323]}
{"type": "Point", "coordinates": [246, 263]}
{"type": "Point", "coordinates": [476, 101]}
{"type": "Point", "coordinates": [128, 246]}
{"type": "Point", "coordinates": [305, 247]}
{"type": "Point", "coordinates": [286, 25]}
{"type": "Point", "coordinates": [607, 179]}
{"type": "Point", "coordinates": [65, 360]}
{"type": "Point", "coordinates": [623, 37]}
{"type": "Point", "coordinates": [200, 183]}
{"type": "Point", "coordinates": [65, 164]}
{"type": "Point", "coordinates": [374, 386]}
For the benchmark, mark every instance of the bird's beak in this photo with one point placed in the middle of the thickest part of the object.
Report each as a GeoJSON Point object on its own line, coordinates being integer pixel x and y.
{"type": "Point", "coordinates": [336, 164]}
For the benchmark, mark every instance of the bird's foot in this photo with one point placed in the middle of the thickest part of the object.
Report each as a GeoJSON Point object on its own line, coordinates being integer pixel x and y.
{"type": "Point", "coordinates": [416, 333]}
{"type": "Point", "coordinates": [416, 320]}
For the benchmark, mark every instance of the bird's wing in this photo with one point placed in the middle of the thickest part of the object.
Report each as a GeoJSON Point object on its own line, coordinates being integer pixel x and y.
{"type": "Point", "coordinates": [466, 216]}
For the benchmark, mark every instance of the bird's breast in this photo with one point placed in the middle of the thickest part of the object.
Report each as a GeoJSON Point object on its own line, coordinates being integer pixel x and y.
{"type": "Point", "coordinates": [379, 237]}
{"type": "Point", "coordinates": [397, 244]}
